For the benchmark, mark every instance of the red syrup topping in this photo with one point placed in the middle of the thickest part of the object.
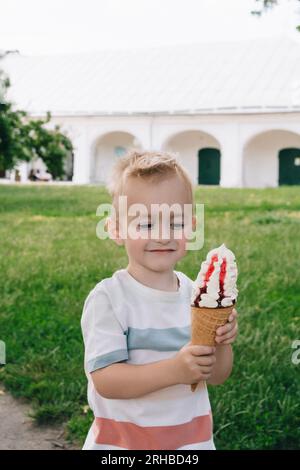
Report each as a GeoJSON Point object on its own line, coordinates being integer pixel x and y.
{"type": "Point", "coordinates": [208, 274]}
{"type": "Point", "coordinates": [223, 270]}
{"type": "Point", "coordinates": [210, 270]}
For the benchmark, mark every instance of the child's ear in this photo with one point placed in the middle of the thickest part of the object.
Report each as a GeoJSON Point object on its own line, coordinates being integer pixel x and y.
{"type": "Point", "coordinates": [113, 232]}
{"type": "Point", "coordinates": [194, 222]}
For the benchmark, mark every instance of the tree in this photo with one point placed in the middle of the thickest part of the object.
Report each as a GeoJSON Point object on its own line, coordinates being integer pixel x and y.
{"type": "Point", "coordinates": [24, 139]}
{"type": "Point", "coordinates": [266, 5]}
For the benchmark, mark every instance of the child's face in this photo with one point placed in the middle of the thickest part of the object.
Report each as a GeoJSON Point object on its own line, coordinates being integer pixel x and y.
{"type": "Point", "coordinates": [141, 251]}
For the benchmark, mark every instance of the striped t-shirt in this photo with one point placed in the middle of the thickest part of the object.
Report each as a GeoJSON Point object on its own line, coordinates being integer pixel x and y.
{"type": "Point", "coordinates": [124, 320]}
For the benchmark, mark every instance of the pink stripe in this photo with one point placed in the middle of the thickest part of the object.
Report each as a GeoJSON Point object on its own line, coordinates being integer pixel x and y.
{"type": "Point", "coordinates": [133, 437]}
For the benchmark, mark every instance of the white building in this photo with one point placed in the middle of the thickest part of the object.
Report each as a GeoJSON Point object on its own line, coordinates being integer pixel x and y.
{"type": "Point", "coordinates": [231, 110]}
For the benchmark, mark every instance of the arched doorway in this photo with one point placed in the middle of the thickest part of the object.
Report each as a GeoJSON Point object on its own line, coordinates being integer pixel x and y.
{"type": "Point", "coordinates": [107, 150]}
{"type": "Point", "coordinates": [271, 159]}
{"type": "Point", "coordinates": [209, 166]}
{"type": "Point", "coordinates": [187, 145]}
{"type": "Point", "coordinates": [289, 166]}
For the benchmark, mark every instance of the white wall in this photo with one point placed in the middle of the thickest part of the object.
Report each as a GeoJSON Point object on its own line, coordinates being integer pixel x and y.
{"type": "Point", "coordinates": [188, 144]}
{"type": "Point", "coordinates": [261, 162]}
{"type": "Point", "coordinates": [232, 134]}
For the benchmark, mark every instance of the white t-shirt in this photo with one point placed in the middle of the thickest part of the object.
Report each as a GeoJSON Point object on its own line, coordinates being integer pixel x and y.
{"type": "Point", "coordinates": [124, 320]}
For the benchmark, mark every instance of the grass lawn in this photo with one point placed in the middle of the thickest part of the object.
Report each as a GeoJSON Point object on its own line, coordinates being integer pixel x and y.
{"type": "Point", "coordinates": [50, 258]}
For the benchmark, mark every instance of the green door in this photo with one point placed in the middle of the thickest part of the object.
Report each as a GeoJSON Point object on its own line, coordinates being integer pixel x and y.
{"type": "Point", "coordinates": [289, 166]}
{"type": "Point", "coordinates": [209, 166]}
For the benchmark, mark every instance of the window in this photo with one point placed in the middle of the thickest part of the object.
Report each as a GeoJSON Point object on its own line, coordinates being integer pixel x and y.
{"type": "Point", "coordinates": [119, 151]}
{"type": "Point", "coordinates": [297, 161]}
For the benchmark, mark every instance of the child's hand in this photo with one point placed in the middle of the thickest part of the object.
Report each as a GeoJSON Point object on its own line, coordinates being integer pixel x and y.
{"type": "Point", "coordinates": [194, 363]}
{"type": "Point", "coordinates": [226, 334]}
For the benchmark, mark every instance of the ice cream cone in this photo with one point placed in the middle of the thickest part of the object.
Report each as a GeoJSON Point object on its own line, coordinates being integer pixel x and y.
{"type": "Point", "coordinates": [204, 323]}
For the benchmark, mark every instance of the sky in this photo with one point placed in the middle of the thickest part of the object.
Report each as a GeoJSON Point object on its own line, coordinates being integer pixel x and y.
{"type": "Point", "coordinates": [68, 26]}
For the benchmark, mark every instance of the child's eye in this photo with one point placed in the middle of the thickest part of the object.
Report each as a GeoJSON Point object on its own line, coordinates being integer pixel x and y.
{"type": "Point", "coordinates": [144, 226]}
{"type": "Point", "coordinates": [178, 226]}
{"type": "Point", "coordinates": [174, 226]}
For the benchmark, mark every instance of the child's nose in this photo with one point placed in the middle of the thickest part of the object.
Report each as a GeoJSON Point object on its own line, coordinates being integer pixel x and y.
{"type": "Point", "coordinates": [162, 231]}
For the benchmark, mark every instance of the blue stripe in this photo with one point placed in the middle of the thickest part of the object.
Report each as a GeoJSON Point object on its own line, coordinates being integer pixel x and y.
{"type": "Point", "coordinates": [163, 339]}
{"type": "Point", "coordinates": [107, 359]}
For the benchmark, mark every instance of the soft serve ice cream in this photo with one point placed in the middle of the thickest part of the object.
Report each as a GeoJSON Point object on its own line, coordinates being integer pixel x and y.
{"type": "Point", "coordinates": [215, 285]}
{"type": "Point", "coordinates": [213, 297]}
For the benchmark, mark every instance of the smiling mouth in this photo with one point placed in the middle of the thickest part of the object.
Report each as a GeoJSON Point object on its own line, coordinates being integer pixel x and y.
{"type": "Point", "coordinates": [160, 251]}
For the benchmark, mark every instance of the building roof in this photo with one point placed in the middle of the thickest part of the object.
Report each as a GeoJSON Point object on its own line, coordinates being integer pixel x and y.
{"type": "Point", "coordinates": [249, 76]}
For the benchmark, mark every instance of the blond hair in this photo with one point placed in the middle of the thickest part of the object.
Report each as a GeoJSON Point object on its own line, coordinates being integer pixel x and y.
{"type": "Point", "coordinates": [146, 165]}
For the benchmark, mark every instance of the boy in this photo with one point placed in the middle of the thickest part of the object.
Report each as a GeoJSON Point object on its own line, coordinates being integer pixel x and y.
{"type": "Point", "coordinates": [136, 325]}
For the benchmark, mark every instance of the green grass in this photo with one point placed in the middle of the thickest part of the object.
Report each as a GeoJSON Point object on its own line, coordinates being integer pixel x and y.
{"type": "Point", "coordinates": [50, 258]}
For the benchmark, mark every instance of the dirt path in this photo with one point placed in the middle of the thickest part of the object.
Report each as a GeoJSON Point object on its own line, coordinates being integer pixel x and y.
{"type": "Point", "coordinates": [18, 431]}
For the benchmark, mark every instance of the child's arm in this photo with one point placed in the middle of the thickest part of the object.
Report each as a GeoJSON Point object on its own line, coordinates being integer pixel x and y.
{"type": "Point", "coordinates": [223, 366]}
{"type": "Point", "coordinates": [123, 381]}
{"type": "Point", "coordinates": [131, 381]}
{"type": "Point", "coordinates": [225, 336]}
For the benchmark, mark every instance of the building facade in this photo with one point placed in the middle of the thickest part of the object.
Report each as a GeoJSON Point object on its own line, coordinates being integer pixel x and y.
{"type": "Point", "coordinates": [230, 111]}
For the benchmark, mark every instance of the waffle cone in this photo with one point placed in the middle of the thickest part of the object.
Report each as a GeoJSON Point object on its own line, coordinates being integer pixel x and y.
{"type": "Point", "coordinates": [204, 323]}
